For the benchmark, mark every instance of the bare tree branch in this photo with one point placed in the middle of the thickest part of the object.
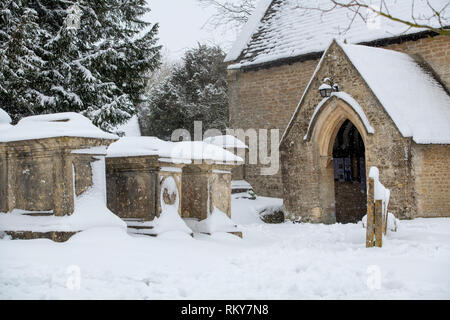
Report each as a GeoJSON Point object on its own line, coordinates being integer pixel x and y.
{"type": "Point", "coordinates": [438, 21]}
{"type": "Point", "coordinates": [229, 13]}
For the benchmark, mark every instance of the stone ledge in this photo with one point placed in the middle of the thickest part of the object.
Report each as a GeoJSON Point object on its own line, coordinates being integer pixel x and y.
{"type": "Point", "coordinates": [57, 236]}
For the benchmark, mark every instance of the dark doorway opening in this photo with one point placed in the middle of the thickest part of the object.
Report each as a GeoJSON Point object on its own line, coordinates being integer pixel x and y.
{"type": "Point", "coordinates": [349, 174]}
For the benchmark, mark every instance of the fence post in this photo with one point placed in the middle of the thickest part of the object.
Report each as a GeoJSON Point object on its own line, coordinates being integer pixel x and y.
{"type": "Point", "coordinates": [379, 223]}
{"type": "Point", "coordinates": [370, 214]}
{"type": "Point", "coordinates": [385, 218]}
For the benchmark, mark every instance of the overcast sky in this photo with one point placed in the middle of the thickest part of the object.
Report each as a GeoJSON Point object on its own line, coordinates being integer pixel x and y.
{"type": "Point", "coordinates": [180, 26]}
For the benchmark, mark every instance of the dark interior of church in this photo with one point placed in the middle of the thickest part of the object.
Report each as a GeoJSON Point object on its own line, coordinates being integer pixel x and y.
{"type": "Point", "coordinates": [349, 174]}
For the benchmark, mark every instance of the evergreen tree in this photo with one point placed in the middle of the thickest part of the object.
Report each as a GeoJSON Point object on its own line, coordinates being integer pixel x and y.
{"type": "Point", "coordinates": [196, 91]}
{"type": "Point", "coordinates": [99, 68]}
{"type": "Point", "coordinates": [20, 61]}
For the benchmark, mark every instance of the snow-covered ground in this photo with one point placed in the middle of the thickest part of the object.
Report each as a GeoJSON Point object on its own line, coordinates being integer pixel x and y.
{"type": "Point", "coordinates": [286, 261]}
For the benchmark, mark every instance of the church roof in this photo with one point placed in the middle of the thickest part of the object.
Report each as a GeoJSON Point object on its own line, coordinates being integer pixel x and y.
{"type": "Point", "coordinates": [286, 29]}
{"type": "Point", "coordinates": [415, 101]}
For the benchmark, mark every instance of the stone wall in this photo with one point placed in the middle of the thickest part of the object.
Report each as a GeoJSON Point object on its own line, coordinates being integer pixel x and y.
{"type": "Point", "coordinates": [37, 175]}
{"type": "Point", "coordinates": [205, 185]}
{"type": "Point", "coordinates": [267, 97]}
{"type": "Point", "coordinates": [221, 191]}
{"type": "Point", "coordinates": [432, 180]}
{"type": "Point", "coordinates": [131, 186]}
{"type": "Point", "coordinates": [307, 166]}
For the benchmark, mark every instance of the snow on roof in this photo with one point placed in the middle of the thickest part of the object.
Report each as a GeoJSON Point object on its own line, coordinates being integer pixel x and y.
{"type": "Point", "coordinates": [68, 124]}
{"type": "Point", "coordinates": [351, 102]}
{"type": "Point", "coordinates": [247, 31]}
{"type": "Point", "coordinates": [282, 29]}
{"type": "Point", "coordinates": [415, 101]}
{"type": "Point", "coordinates": [4, 117]}
{"type": "Point", "coordinates": [183, 152]}
{"type": "Point", "coordinates": [226, 141]}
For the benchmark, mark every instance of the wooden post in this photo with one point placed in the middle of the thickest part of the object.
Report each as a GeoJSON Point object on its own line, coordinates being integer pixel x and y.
{"type": "Point", "coordinates": [370, 214]}
{"type": "Point", "coordinates": [385, 218]}
{"type": "Point", "coordinates": [379, 223]}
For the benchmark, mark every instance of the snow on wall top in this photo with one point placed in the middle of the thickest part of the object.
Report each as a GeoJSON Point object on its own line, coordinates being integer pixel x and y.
{"type": "Point", "coordinates": [282, 29]}
{"type": "Point", "coordinates": [415, 101]}
{"type": "Point", "coordinates": [177, 152]}
{"type": "Point", "coordinates": [68, 124]}
{"type": "Point", "coordinates": [226, 141]}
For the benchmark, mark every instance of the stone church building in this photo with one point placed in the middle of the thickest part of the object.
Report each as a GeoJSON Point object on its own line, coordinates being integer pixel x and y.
{"type": "Point", "coordinates": [387, 105]}
{"type": "Point", "coordinates": [278, 51]}
{"type": "Point", "coordinates": [385, 111]}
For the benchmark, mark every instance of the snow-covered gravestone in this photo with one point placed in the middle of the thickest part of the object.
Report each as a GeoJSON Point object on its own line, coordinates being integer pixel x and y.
{"type": "Point", "coordinates": [148, 180]}
{"type": "Point", "coordinates": [53, 166]}
{"type": "Point", "coordinates": [169, 218]}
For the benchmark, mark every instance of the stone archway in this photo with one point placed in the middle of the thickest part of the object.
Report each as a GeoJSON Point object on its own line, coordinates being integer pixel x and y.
{"type": "Point", "coordinates": [324, 129]}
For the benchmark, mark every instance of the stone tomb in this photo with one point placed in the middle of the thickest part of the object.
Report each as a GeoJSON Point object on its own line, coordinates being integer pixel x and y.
{"type": "Point", "coordinates": [146, 174]}
{"type": "Point", "coordinates": [237, 147]}
{"type": "Point", "coordinates": [45, 163]}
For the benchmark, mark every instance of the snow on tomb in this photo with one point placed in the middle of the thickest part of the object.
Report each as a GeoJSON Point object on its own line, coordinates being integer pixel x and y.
{"type": "Point", "coordinates": [239, 148]}
{"type": "Point", "coordinates": [5, 119]}
{"type": "Point", "coordinates": [158, 186]}
{"type": "Point", "coordinates": [52, 177]}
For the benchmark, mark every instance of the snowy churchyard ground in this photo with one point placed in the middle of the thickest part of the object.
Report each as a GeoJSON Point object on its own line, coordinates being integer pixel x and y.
{"type": "Point", "coordinates": [284, 261]}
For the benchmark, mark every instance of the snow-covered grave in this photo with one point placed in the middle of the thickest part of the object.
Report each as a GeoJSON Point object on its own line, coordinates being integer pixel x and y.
{"type": "Point", "coordinates": [52, 176]}
{"type": "Point", "coordinates": [158, 186]}
{"type": "Point", "coordinates": [239, 148]}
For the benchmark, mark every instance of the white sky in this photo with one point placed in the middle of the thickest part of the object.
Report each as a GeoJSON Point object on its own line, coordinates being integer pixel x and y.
{"type": "Point", "coordinates": [180, 26]}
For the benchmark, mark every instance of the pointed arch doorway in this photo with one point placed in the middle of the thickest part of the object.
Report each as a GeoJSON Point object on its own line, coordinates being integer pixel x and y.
{"type": "Point", "coordinates": [349, 174]}
{"type": "Point", "coordinates": [339, 129]}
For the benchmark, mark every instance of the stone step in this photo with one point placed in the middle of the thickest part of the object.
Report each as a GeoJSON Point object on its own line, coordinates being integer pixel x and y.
{"type": "Point", "coordinates": [139, 227]}
{"type": "Point", "coordinates": [138, 223]}
{"type": "Point", "coordinates": [38, 214]}
{"type": "Point", "coordinates": [141, 232]}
